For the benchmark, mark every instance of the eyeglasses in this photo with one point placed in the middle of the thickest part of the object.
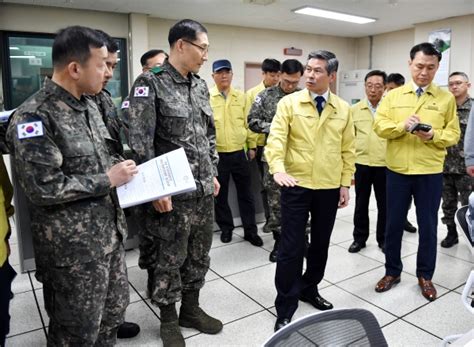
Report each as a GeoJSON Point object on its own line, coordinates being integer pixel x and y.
{"type": "Point", "coordinates": [374, 86]}
{"type": "Point", "coordinates": [203, 50]}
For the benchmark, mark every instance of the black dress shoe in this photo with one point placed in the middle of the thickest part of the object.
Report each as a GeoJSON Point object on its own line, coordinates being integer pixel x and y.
{"type": "Point", "coordinates": [449, 241]}
{"type": "Point", "coordinates": [280, 323]}
{"type": "Point", "coordinates": [274, 253]}
{"type": "Point", "coordinates": [317, 301]}
{"type": "Point", "coordinates": [356, 247]}
{"type": "Point", "coordinates": [226, 236]}
{"type": "Point", "coordinates": [128, 330]}
{"type": "Point", "coordinates": [409, 227]}
{"type": "Point", "coordinates": [254, 239]}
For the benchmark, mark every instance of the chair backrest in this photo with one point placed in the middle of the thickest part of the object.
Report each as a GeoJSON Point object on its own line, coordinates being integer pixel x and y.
{"type": "Point", "coordinates": [462, 222]}
{"type": "Point", "coordinates": [340, 327]}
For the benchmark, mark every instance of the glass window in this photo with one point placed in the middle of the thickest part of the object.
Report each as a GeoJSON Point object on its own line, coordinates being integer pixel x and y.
{"type": "Point", "coordinates": [29, 62]}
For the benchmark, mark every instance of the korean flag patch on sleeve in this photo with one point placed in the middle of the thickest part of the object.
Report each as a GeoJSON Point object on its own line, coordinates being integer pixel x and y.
{"type": "Point", "coordinates": [31, 129]}
{"type": "Point", "coordinates": [125, 104]}
{"type": "Point", "coordinates": [140, 91]}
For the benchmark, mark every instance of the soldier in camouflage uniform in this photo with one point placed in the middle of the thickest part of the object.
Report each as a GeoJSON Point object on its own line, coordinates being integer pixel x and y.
{"type": "Point", "coordinates": [58, 144]}
{"type": "Point", "coordinates": [117, 131]}
{"type": "Point", "coordinates": [169, 108]}
{"type": "Point", "coordinates": [149, 60]}
{"type": "Point", "coordinates": [457, 185]}
{"type": "Point", "coordinates": [259, 119]}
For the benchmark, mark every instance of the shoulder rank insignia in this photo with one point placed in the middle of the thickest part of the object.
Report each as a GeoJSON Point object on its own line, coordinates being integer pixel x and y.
{"type": "Point", "coordinates": [156, 70]}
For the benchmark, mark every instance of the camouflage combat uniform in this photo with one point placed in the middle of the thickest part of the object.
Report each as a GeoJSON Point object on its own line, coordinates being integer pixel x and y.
{"type": "Point", "coordinates": [114, 124]}
{"type": "Point", "coordinates": [76, 226]}
{"type": "Point", "coordinates": [259, 119]}
{"type": "Point", "coordinates": [168, 111]}
{"type": "Point", "coordinates": [457, 184]}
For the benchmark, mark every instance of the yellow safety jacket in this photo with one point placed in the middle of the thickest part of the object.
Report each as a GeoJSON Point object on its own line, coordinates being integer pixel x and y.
{"type": "Point", "coordinates": [407, 153]}
{"type": "Point", "coordinates": [251, 94]}
{"type": "Point", "coordinates": [370, 148]}
{"type": "Point", "coordinates": [6, 209]}
{"type": "Point", "coordinates": [230, 118]}
{"type": "Point", "coordinates": [318, 151]}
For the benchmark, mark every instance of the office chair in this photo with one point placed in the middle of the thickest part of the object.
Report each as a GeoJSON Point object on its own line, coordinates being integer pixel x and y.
{"type": "Point", "coordinates": [464, 339]}
{"type": "Point", "coordinates": [341, 327]}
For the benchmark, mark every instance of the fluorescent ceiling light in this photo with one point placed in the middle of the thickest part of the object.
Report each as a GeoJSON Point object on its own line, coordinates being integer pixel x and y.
{"type": "Point", "coordinates": [22, 56]}
{"type": "Point", "coordinates": [14, 48]}
{"type": "Point", "coordinates": [311, 11]}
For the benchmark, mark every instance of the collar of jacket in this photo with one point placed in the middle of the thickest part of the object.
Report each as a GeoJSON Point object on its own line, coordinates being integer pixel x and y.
{"type": "Point", "coordinates": [432, 89]}
{"type": "Point", "coordinates": [215, 92]}
{"type": "Point", "coordinates": [307, 98]}
{"type": "Point", "coordinates": [177, 77]}
{"type": "Point", "coordinates": [54, 88]}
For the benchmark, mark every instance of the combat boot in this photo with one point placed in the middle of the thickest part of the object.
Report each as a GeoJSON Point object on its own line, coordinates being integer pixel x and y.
{"type": "Point", "coordinates": [452, 237]}
{"type": "Point", "coordinates": [192, 316]}
{"type": "Point", "coordinates": [169, 330]}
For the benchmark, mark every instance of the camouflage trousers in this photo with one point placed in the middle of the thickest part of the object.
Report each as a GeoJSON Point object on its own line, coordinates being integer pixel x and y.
{"type": "Point", "coordinates": [86, 302]}
{"type": "Point", "coordinates": [456, 188]}
{"type": "Point", "coordinates": [273, 223]}
{"type": "Point", "coordinates": [175, 247]}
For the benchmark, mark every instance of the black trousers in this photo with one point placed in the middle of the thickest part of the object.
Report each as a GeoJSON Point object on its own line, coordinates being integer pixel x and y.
{"type": "Point", "coordinates": [296, 204]}
{"type": "Point", "coordinates": [7, 274]}
{"type": "Point", "coordinates": [426, 191]}
{"type": "Point", "coordinates": [366, 177]}
{"type": "Point", "coordinates": [237, 165]}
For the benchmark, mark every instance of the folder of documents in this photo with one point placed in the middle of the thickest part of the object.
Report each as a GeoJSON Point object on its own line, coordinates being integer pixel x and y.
{"type": "Point", "coordinates": [168, 174]}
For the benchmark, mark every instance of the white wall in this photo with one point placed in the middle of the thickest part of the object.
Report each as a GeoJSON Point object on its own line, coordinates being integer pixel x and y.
{"type": "Point", "coordinates": [241, 45]}
{"type": "Point", "coordinates": [50, 19]}
{"type": "Point", "coordinates": [390, 52]}
{"type": "Point", "coordinates": [462, 45]}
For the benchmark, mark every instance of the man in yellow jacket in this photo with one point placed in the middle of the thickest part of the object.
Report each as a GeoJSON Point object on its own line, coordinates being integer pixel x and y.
{"type": "Point", "coordinates": [232, 138]}
{"type": "Point", "coordinates": [419, 121]}
{"type": "Point", "coordinates": [370, 162]}
{"type": "Point", "coordinates": [7, 273]}
{"type": "Point", "coordinates": [310, 152]}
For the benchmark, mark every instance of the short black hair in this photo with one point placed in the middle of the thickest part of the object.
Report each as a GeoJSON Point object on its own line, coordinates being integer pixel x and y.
{"type": "Point", "coordinates": [332, 64]}
{"type": "Point", "coordinates": [377, 73]}
{"type": "Point", "coordinates": [396, 78]}
{"type": "Point", "coordinates": [185, 29]}
{"type": "Point", "coordinates": [150, 54]}
{"type": "Point", "coordinates": [426, 48]}
{"type": "Point", "coordinates": [74, 43]}
{"type": "Point", "coordinates": [110, 43]}
{"type": "Point", "coordinates": [291, 66]}
{"type": "Point", "coordinates": [459, 73]}
{"type": "Point", "coordinates": [271, 65]}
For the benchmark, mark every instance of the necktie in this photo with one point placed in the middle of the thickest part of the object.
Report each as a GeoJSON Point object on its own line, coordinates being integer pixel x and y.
{"type": "Point", "coordinates": [419, 91]}
{"type": "Point", "coordinates": [319, 103]}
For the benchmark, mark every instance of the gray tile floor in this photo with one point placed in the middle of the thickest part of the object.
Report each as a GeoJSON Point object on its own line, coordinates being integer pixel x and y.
{"type": "Point", "coordinates": [240, 291]}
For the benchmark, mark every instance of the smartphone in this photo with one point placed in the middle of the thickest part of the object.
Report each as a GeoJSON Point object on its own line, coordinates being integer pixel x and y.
{"type": "Point", "coordinates": [420, 127]}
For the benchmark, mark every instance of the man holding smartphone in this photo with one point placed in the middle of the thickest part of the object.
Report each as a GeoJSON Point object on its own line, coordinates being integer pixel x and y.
{"type": "Point", "coordinates": [415, 158]}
